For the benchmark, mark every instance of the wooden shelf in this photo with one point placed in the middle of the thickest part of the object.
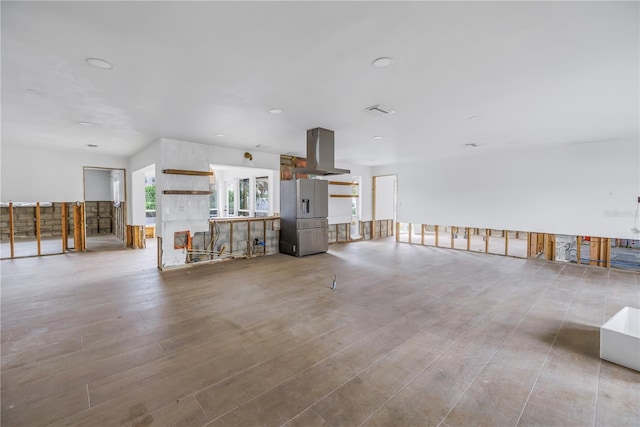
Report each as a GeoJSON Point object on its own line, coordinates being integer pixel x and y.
{"type": "Point", "coordinates": [342, 183]}
{"type": "Point", "coordinates": [186, 192]}
{"type": "Point", "coordinates": [343, 195]}
{"type": "Point", "coordinates": [187, 172]}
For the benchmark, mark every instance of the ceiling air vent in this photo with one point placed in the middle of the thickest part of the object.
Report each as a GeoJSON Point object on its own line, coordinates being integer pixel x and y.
{"type": "Point", "coordinates": [380, 109]}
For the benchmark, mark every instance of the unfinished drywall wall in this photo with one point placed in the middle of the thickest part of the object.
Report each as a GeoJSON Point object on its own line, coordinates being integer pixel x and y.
{"type": "Point", "coordinates": [577, 189]}
{"type": "Point", "coordinates": [30, 174]}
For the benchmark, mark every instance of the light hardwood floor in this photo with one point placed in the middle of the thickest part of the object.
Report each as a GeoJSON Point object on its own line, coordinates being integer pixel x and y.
{"type": "Point", "coordinates": [412, 336]}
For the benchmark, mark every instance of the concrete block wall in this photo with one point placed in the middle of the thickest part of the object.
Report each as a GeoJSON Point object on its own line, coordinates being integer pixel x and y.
{"type": "Point", "coordinates": [244, 235]}
{"type": "Point", "coordinates": [4, 223]}
{"type": "Point", "coordinates": [256, 229]}
{"type": "Point", "coordinates": [272, 244]}
{"type": "Point", "coordinates": [24, 222]}
{"type": "Point", "coordinates": [51, 220]}
{"type": "Point", "coordinates": [240, 237]}
{"type": "Point", "coordinates": [365, 230]}
{"type": "Point", "coordinates": [24, 225]}
{"type": "Point", "coordinates": [221, 233]}
{"type": "Point", "coordinates": [381, 228]}
{"type": "Point", "coordinates": [99, 217]}
{"type": "Point", "coordinates": [338, 233]}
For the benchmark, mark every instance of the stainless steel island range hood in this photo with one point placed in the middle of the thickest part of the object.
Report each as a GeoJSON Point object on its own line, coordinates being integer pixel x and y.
{"type": "Point", "coordinates": [320, 154]}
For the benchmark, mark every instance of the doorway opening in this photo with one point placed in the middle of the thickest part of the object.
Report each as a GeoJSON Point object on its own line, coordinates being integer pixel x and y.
{"type": "Point", "coordinates": [104, 209]}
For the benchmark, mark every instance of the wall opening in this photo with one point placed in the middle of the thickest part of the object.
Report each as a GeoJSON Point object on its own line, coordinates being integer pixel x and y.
{"type": "Point", "coordinates": [104, 208]}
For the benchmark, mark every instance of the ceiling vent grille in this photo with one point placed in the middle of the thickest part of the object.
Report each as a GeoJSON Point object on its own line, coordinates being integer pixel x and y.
{"type": "Point", "coordinates": [380, 109]}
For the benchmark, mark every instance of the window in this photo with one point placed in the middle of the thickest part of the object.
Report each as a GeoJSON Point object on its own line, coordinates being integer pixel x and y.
{"type": "Point", "coordinates": [240, 192]}
{"type": "Point", "coordinates": [262, 196]}
{"type": "Point", "coordinates": [231, 207]}
{"type": "Point", "coordinates": [244, 190]}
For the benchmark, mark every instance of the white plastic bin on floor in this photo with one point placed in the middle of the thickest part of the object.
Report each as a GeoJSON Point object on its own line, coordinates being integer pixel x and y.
{"type": "Point", "coordinates": [620, 338]}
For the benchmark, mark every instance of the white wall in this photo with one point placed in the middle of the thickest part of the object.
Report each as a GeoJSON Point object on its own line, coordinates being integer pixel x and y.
{"type": "Point", "coordinates": [339, 208]}
{"type": "Point", "coordinates": [582, 189]}
{"type": "Point", "coordinates": [176, 213]}
{"type": "Point", "coordinates": [119, 177]}
{"type": "Point", "coordinates": [385, 197]}
{"type": "Point", "coordinates": [30, 174]}
{"type": "Point", "coordinates": [366, 190]}
{"type": "Point", "coordinates": [97, 184]}
{"type": "Point", "coordinates": [137, 205]}
{"type": "Point", "coordinates": [140, 161]}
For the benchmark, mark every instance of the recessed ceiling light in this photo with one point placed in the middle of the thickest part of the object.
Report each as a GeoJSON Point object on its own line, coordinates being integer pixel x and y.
{"type": "Point", "coordinates": [275, 111]}
{"type": "Point", "coordinates": [92, 145]}
{"type": "Point", "coordinates": [383, 62]}
{"type": "Point", "coordinates": [220, 135]}
{"type": "Point", "coordinates": [377, 137]}
{"type": "Point", "coordinates": [473, 118]}
{"type": "Point", "coordinates": [99, 63]}
{"type": "Point", "coordinates": [85, 123]}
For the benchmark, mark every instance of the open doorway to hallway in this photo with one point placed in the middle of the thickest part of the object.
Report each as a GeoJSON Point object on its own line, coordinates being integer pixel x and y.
{"type": "Point", "coordinates": [104, 210]}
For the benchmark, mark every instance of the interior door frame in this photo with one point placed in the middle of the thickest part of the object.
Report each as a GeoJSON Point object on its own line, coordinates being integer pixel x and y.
{"type": "Point", "coordinates": [122, 199]}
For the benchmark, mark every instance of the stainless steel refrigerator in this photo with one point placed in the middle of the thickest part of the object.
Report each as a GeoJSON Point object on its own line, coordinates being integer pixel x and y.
{"type": "Point", "coordinates": [303, 210]}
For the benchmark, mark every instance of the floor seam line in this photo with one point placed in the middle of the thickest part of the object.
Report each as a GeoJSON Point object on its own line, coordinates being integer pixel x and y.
{"type": "Point", "coordinates": [604, 319]}
{"type": "Point", "coordinates": [555, 338]}
{"type": "Point", "coordinates": [310, 367]}
{"type": "Point", "coordinates": [354, 376]}
{"type": "Point", "coordinates": [436, 359]}
{"type": "Point", "coordinates": [500, 346]}
{"type": "Point", "coordinates": [201, 408]}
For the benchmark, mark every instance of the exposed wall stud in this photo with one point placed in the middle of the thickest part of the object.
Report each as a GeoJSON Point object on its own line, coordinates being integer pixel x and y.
{"type": "Point", "coordinates": [65, 227]}
{"type": "Point", "coordinates": [594, 243]}
{"type": "Point", "coordinates": [38, 240]}
{"type": "Point", "coordinates": [11, 234]}
{"type": "Point", "coordinates": [453, 231]}
{"type": "Point", "coordinates": [487, 232]}
{"type": "Point", "coordinates": [505, 233]}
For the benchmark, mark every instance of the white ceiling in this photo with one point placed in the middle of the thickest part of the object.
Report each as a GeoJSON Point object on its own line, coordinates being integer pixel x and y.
{"type": "Point", "coordinates": [534, 72]}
